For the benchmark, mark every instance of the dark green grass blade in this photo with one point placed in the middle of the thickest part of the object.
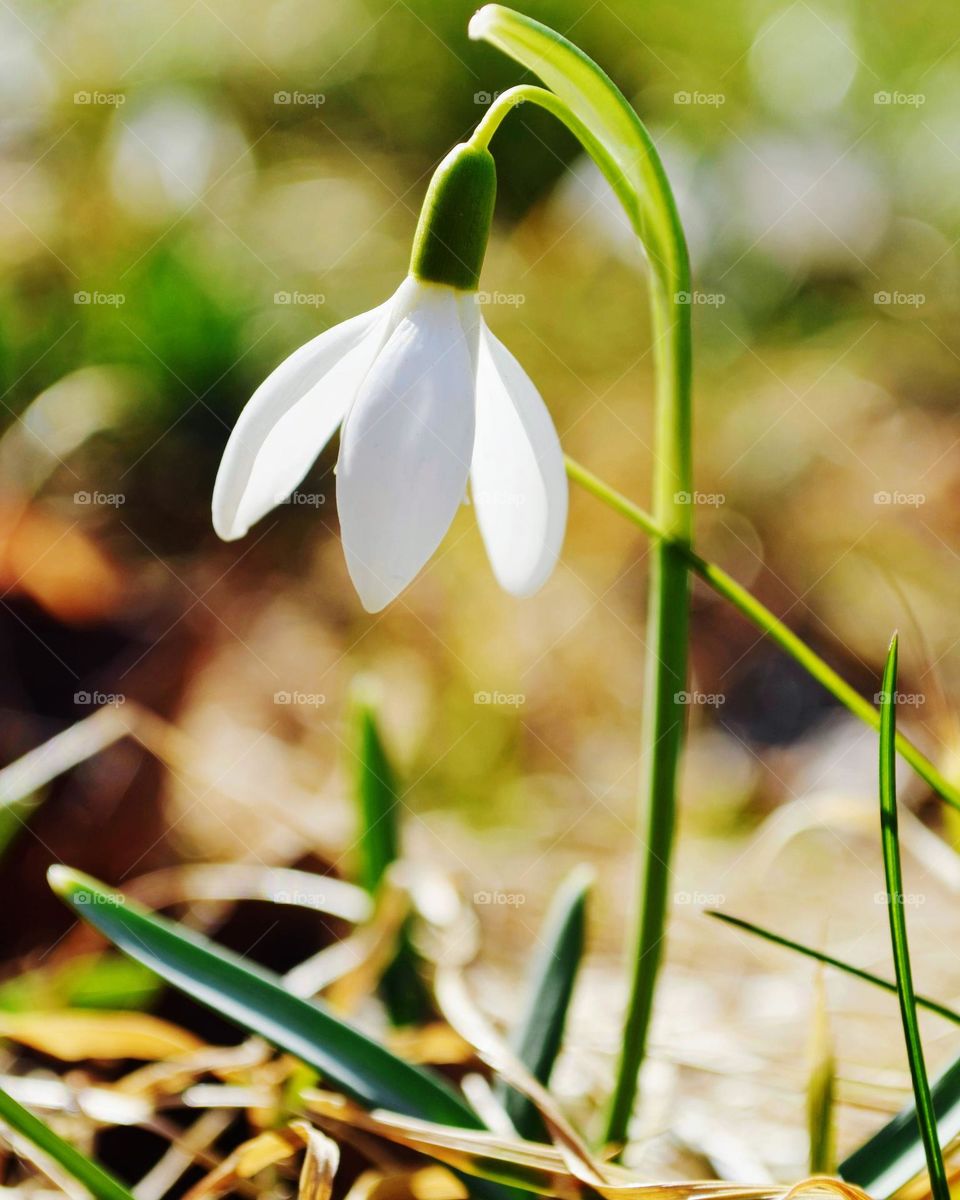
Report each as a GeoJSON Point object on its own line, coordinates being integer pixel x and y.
{"type": "Point", "coordinates": [255, 1000]}
{"type": "Point", "coordinates": [94, 1178]}
{"type": "Point", "coordinates": [894, 1155]}
{"type": "Point", "coordinates": [538, 1034]}
{"type": "Point", "coordinates": [890, 839]}
{"type": "Point", "coordinates": [375, 789]}
{"type": "Point", "coordinates": [377, 798]}
{"type": "Point", "coordinates": [778, 939]}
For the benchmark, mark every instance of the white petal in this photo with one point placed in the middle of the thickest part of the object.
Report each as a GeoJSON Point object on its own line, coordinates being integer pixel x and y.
{"type": "Point", "coordinates": [291, 417]}
{"type": "Point", "coordinates": [405, 449]}
{"type": "Point", "coordinates": [517, 476]}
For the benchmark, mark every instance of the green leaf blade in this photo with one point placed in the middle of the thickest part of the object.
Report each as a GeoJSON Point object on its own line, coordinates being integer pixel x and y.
{"type": "Point", "coordinates": [861, 1167]}
{"type": "Point", "coordinates": [97, 1181]}
{"type": "Point", "coordinates": [375, 790]}
{"type": "Point", "coordinates": [830, 960]}
{"type": "Point", "coordinates": [538, 1034]}
{"type": "Point", "coordinates": [255, 1000]}
{"type": "Point", "coordinates": [377, 800]}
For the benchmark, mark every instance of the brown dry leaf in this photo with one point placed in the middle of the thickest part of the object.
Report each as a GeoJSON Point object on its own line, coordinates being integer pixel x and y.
{"type": "Point", "coordinates": [434, 1043]}
{"type": "Point", "coordinates": [464, 1016]}
{"type": "Point", "coordinates": [267, 1149]}
{"type": "Point", "coordinates": [541, 1168]}
{"type": "Point", "coordinates": [536, 1167]}
{"type": "Point", "coordinates": [365, 955]}
{"type": "Point", "coordinates": [248, 1159]}
{"type": "Point", "coordinates": [825, 1183]}
{"type": "Point", "coordinates": [175, 1074]}
{"type": "Point", "coordinates": [427, 1183]}
{"type": "Point", "coordinates": [319, 1163]}
{"type": "Point", "coordinates": [72, 1035]}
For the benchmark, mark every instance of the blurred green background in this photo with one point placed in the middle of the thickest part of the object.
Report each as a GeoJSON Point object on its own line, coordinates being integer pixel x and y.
{"type": "Point", "coordinates": [188, 191]}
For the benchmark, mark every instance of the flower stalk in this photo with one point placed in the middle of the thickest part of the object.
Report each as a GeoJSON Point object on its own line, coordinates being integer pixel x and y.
{"type": "Point", "coordinates": [664, 677]}
{"type": "Point", "coordinates": [591, 106]}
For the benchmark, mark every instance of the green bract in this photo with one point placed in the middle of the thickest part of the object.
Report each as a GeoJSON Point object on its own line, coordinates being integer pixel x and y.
{"type": "Point", "coordinates": [454, 225]}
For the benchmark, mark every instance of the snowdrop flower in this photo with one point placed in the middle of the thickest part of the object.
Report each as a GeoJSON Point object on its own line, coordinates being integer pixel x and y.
{"type": "Point", "coordinates": [428, 401]}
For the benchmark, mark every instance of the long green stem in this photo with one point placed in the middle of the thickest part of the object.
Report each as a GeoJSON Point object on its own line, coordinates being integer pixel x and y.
{"type": "Point", "coordinates": [665, 679]}
{"type": "Point", "coordinates": [890, 840]}
{"type": "Point", "coordinates": [761, 616]}
{"type": "Point", "coordinates": [665, 669]}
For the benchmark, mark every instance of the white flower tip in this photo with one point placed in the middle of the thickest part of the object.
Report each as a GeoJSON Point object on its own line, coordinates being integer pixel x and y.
{"type": "Point", "coordinates": [225, 524]}
{"type": "Point", "coordinates": [375, 594]}
{"type": "Point", "coordinates": [523, 578]}
{"type": "Point", "coordinates": [523, 589]}
{"type": "Point", "coordinates": [482, 22]}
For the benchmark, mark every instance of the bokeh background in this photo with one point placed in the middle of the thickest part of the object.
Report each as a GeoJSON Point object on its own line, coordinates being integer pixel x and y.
{"type": "Point", "coordinates": [189, 190]}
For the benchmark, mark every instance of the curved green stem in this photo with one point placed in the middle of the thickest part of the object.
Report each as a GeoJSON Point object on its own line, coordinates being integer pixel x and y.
{"type": "Point", "coordinates": [761, 616]}
{"type": "Point", "coordinates": [594, 110]}
{"type": "Point", "coordinates": [668, 602]}
{"type": "Point", "coordinates": [890, 840]}
{"type": "Point", "coordinates": [612, 171]}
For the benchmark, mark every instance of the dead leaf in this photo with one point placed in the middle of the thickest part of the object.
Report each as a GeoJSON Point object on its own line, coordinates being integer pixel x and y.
{"type": "Point", "coordinates": [72, 1035]}
{"type": "Point", "coordinates": [248, 1159]}
{"type": "Point", "coordinates": [319, 1164]}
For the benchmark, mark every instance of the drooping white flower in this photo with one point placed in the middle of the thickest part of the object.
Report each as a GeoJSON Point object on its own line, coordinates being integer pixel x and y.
{"type": "Point", "coordinates": [429, 401]}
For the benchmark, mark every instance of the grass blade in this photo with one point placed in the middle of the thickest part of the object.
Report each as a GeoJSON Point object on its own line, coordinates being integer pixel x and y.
{"type": "Point", "coordinates": [890, 839]}
{"type": "Point", "coordinates": [538, 1034]}
{"type": "Point", "coordinates": [750, 607]}
{"type": "Point", "coordinates": [377, 799]}
{"type": "Point", "coordinates": [829, 960]}
{"type": "Point", "coordinates": [255, 1000]}
{"type": "Point", "coordinates": [375, 791]}
{"type": "Point", "coordinates": [894, 1155]}
{"type": "Point", "coordinates": [94, 1178]}
{"type": "Point", "coordinates": [821, 1089]}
